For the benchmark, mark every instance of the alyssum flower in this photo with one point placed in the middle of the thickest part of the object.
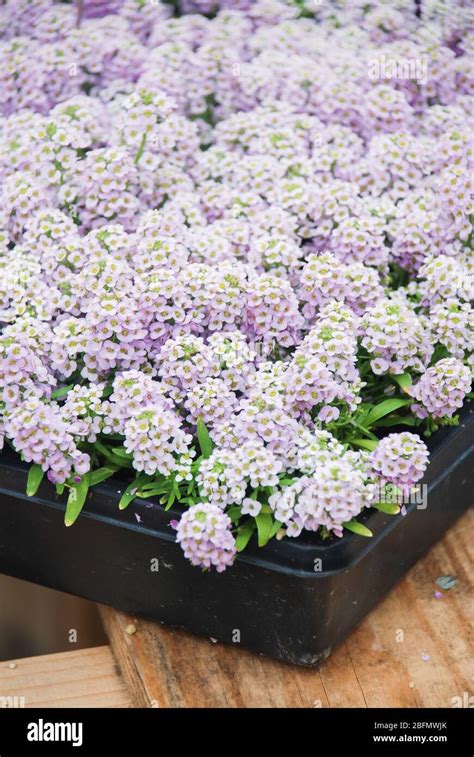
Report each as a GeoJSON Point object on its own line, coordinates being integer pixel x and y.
{"type": "Point", "coordinates": [232, 254]}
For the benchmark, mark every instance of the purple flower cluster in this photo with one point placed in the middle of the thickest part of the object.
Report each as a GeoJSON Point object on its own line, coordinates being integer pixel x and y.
{"type": "Point", "coordinates": [441, 389]}
{"type": "Point", "coordinates": [400, 459]}
{"type": "Point", "coordinates": [323, 368]}
{"type": "Point", "coordinates": [204, 533]}
{"type": "Point", "coordinates": [396, 337]}
{"type": "Point", "coordinates": [42, 436]}
{"type": "Point", "coordinates": [224, 477]}
{"type": "Point", "coordinates": [152, 429]}
{"type": "Point", "coordinates": [333, 496]}
{"type": "Point", "coordinates": [452, 326]}
{"type": "Point", "coordinates": [255, 215]}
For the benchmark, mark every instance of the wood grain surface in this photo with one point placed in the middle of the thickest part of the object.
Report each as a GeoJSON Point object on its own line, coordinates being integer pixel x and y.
{"type": "Point", "coordinates": [413, 650]}
{"type": "Point", "coordinates": [84, 678]}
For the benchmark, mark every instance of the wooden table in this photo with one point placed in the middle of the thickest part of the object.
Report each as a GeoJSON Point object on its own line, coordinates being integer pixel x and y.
{"type": "Point", "coordinates": [86, 678]}
{"type": "Point", "coordinates": [413, 650]}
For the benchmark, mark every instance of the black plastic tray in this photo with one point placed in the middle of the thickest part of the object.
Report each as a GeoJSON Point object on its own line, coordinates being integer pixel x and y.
{"type": "Point", "coordinates": [272, 600]}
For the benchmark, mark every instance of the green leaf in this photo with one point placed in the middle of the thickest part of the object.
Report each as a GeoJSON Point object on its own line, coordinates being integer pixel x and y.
{"type": "Point", "coordinates": [122, 452]}
{"type": "Point", "coordinates": [125, 500]}
{"type": "Point", "coordinates": [146, 494]}
{"type": "Point", "coordinates": [404, 381]}
{"type": "Point", "coordinates": [76, 500]}
{"type": "Point", "coordinates": [357, 528]}
{"type": "Point", "coordinates": [59, 489]}
{"type": "Point", "coordinates": [275, 528]}
{"type": "Point", "coordinates": [189, 501]}
{"type": "Point", "coordinates": [205, 441]}
{"type": "Point", "coordinates": [140, 148]}
{"type": "Point", "coordinates": [61, 392]}
{"type": "Point", "coordinates": [264, 523]}
{"type": "Point", "coordinates": [234, 513]}
{"type": "Point", "coordinates": [439, 353]}
{"type": "Point", "coordinates": [177, 490]}
{"type": "Point", "coordinates": [384, 408]}
{"type": "Point", "coordinates": [387, 508]}
{"type": "Point", "coordinates": [158, 480]}
{"type": "Point", "coordinates": [102, 474]}
{"type": "Point", "coordinates": [402, 420]}
{"type": "Point", "coordinates": [369, 444]}
{"type": "Point", "coordinates": [122, 462]}
{"type": "Point", "coordinates": [244, 535]}
{"type": "Point", "coordinates": [128, 496]}
{"type": "Point", "coordinates": [171, 500]}
{"type": "Point", "coordinates": [131, 492]}
{"type": "Point", "coordinates": [35, 477]}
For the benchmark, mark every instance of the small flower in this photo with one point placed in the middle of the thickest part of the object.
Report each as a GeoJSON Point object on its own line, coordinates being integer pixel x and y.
{"type": "Point", "coordinates": [250, 507]}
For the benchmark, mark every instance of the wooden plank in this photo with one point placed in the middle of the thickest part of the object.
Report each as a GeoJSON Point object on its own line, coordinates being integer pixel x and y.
{"type": "Point", "coordinates": [435, 637]}
{"type": "Point", "coordinates": [413, 650]}
{"type": "Point", "coordinates": [83, 678]}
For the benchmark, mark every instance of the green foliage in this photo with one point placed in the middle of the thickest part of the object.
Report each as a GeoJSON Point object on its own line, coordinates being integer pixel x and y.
{"type": "Point", "coordinates": [117, 455]}
{"type": "Point", "coordinates": [357, 528]}
{"type": "Point", "coordinates": [131, 492]}
{"type": "Point", "coordinates": [35, 477]}
{"type": "Point", "coordinates": [369, 444]}
{"type": "Point", "coordinates": [76, 500]}
{"type": "Point", "coordinates": [264, 523]}
{"type": "Point", "coordinates": [244, 534]}
{"type": "Point", "coordinates": [404, 381]}
{"type": "Point", "coordinates": [102, 474]}
{"type": "Point", "coordinates": [60, 393]}
{"type": "Point", "coordinates": [397, 420]}
{"type": "Point", "coordinates": [376, 412]}
{"type": "Point", "coordinates": [205, 441]}
{"type": "Point", "coordinates": [388, 508]}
